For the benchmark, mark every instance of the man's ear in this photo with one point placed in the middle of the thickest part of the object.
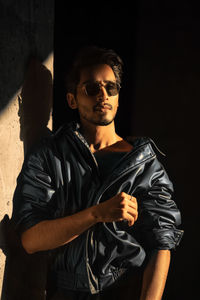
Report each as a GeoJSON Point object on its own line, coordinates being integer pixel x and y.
{"type": "Point", "coordinates": [71, 100]}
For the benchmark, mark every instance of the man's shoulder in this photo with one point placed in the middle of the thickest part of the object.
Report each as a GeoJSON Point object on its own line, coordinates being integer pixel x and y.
{"type": "Point", "coordinates": [137, 141]}
{"type": "Point", "coordinates": [55, 144]}
{"type": "Point", "coordinates": [47, 143]}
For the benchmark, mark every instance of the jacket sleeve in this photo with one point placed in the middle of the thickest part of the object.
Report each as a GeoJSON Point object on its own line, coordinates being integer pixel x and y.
{"type": "Point", "coordinates": [159, 216]}
{"type": "Point", "coordinates": [34, 195]}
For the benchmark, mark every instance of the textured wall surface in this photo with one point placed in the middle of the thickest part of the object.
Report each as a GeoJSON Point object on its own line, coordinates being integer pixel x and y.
{"type": "Point", "coordinates": [26, 63]}
{"type": "Point", "coordinates": [11, 157]}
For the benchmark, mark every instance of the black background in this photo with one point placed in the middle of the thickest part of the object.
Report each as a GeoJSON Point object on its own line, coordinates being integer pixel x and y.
{"type": "Point", "coordinates": [102, 25]}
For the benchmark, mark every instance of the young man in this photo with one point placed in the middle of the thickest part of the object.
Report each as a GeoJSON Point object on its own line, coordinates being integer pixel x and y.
{"type": "Point", "coordinates": [101, 203]}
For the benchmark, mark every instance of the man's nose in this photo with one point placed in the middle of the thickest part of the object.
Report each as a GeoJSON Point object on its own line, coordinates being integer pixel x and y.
{"type": "Point", "coordinates": [103, 93]}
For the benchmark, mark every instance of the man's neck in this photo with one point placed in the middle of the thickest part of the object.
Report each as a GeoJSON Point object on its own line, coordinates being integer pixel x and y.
{"type": "Point", "coordinates": [99, 137]}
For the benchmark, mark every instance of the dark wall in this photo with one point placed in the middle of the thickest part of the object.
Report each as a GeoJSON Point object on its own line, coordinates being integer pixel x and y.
{"type": "Point", "coordinates": [159, 45]}
{"type": "Point", "coordinates": [165, 108]}
{"type": "Point", "coordinates": [25, 32]}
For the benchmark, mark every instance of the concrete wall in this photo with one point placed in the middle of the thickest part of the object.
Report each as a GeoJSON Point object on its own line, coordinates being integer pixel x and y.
{"type": "Point", "coordinates": [26, 63]}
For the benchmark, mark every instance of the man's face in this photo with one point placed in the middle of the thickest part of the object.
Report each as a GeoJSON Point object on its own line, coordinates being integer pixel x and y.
{"type": "Point", "coordinates": [99, 109]}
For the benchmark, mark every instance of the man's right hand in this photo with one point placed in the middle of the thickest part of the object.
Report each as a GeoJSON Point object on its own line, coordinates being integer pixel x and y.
{"type": "Point", "coordinates": [50, 234]}
{"type": "Point", "coordinates": [120, 207]}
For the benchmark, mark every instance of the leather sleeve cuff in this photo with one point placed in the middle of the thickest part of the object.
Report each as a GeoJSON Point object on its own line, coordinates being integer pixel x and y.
{"type": "Point", "coordinates": [163, 239]}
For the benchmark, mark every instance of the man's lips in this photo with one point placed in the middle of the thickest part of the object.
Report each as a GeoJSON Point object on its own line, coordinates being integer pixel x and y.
{"type": "Point", "coordinates": [100, 107]}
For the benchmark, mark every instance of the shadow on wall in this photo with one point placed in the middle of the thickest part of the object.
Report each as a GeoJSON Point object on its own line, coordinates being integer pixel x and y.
{"type": "Point", "coordinates": [25, 275]}
{"type": "Point", "coordinates": [35, 104]}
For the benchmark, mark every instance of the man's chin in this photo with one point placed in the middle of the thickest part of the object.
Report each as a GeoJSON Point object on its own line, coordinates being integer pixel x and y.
{"type": "Point", "coordinates": [103, 122]}
{"type": "Point", "coordinates": [100, 121]}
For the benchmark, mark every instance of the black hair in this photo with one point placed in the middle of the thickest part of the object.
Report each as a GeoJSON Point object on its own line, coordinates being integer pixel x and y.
{"type": "Point", "coordinates": [91, 56]}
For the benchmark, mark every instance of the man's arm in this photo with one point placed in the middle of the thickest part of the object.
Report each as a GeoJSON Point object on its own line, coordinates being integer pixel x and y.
{"type": "Point", "coordinates": [155, 276]}
{"type": "Point", "coordinates": [50, 234]}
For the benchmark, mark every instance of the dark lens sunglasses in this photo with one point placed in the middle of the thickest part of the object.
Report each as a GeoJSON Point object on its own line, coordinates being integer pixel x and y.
{"type": "Point", "coordinates": [93, 88]}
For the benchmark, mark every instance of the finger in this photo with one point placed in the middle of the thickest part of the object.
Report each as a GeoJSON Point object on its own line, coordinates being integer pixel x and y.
{"type": "Point", "coordinates": [129, 214]}
{"type": "Point", "coordinates": [133, 214]}
{"type": "Point", "coordinates": [132, 204]}
{"type": "Point", "coordinates": [131, 223]}
{"type": "Point", "coordinates": [132, 199]}
{"type": "Point", "coordinates": [128, 217]}
{"type": "Point", "coordinates": [133, 210]}
{"type": "Point", "coordinates": [130, 207]}
{"type": "Point", "coordinates": [123, 196]}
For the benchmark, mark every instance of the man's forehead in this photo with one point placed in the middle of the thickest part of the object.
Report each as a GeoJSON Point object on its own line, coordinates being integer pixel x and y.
{"type": "Point", "coordinates": [101, 72]}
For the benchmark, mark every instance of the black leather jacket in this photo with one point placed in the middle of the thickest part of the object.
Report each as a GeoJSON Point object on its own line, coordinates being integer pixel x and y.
{"type": "Point", "coordinates": [61, 177]}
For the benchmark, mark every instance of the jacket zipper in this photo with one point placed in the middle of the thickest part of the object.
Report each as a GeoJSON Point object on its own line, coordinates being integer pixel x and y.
{"type": "Point", "coordinates": [93, 290]}
{"type": "Point", "coordinates": [82, 139]}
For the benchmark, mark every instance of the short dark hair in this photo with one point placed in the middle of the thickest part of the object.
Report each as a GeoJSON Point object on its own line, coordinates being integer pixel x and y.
{"type": "Point", "coordinates": [91, 56]}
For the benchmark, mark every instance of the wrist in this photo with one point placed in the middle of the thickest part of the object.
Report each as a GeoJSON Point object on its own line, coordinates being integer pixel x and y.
{"type": "Point", "coordinates": [96, 213]}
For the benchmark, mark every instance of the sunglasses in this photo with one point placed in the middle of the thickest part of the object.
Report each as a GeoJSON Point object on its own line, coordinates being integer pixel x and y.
{"type": "Point", "coordinates": [93, 88]}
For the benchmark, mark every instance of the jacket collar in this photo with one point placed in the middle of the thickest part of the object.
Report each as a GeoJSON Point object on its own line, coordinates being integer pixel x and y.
{"type": "Point", "coordinates": [135, 141]}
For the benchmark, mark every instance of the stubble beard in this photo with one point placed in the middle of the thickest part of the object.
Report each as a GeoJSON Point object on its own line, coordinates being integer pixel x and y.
{"type": "Point", "coordinates": [100, 121]}
{"type": "Point", "coordinates": [103, 122]}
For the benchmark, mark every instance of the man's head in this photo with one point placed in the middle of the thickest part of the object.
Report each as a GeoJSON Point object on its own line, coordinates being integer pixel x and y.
{"type": "Point", "coordinates": [93, 85]}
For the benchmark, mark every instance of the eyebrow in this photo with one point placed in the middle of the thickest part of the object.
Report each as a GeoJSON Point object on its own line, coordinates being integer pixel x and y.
{"type": "Point", "coordinates": [90, 80]}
